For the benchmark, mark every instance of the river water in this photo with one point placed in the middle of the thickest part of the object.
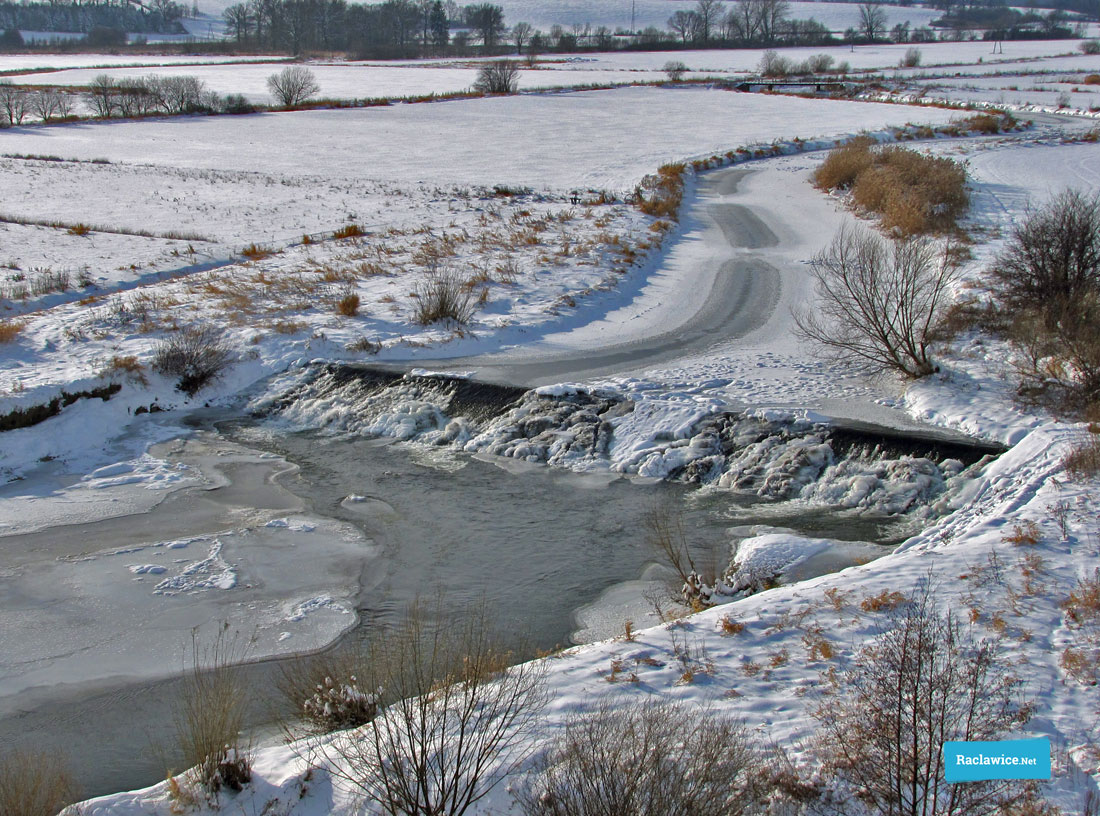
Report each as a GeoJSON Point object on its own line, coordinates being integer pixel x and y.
{"type": "Point", "coordinates": [535, 544]}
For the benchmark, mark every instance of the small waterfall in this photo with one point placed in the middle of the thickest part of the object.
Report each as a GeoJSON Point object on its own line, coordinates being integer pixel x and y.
{"type": "Point", "coordinates": [854, 465]}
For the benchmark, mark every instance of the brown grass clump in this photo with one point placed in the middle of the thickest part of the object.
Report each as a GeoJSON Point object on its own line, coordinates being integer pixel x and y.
{"type": "Point", "coordinates": [9, 330]}
{"type": "Point", "coordinates": [350, 231]}
{"type": "Point", "coordinates": [126, 365]}
{"type": "Point", "coordinates": [844, 164]}
{"type": "Point", "coordinates": [255, 252]}
{"type": "Point", "coordinates": [665, 192]}
{"type": "Point", "coordinates": [913, 193]}
{"type": "Point", "coordinates": [79, 229]}
{"type": "Point", "coordinates": [987, 123]}
{"type": "Point", "coordinates": [730, 626]}
{"type": "Point", "coordinates": [1082, 462]}
{"type": "Point", "coordinates": [1025, 534]}
{"type": "Point", "coordinates": [885, 600]}
{"type": "Point", "coordinates": [1083, 604]}
{"type": "Point", "coordinates": [1092, 79]}
{"type": "Point", "coordinates": [348, 305]}
{"type": "Point", "coordinates": [33, 784]}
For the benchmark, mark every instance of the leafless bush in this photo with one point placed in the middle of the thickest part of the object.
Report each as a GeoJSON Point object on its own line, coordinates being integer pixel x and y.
{"type": "Point", "coordinates": [196, 355]}
{"type": "Point", "coordinates": [911, 59]}
{"type": "Point", "coordinates": [293, 85]}
{"type": "Point", "coordinates": [330, 692]}
{"type": "Point", "coordinates": [675, 70]}
{"type": "Point", "coordinates": [1054, 253]}
{"type": "Point", "coordinates": [1049, 277]}
{"type": "Point", "coordinates": [878, 302]}
{"type": "Point", "coordinates": [774, 66]}
{"type": "Point", "coordinates": [1089, 47]}
{"type": "Point", "coordinates": [657, 758]}
{"type": "Point", "coordinates": [497, 77]}
{"type": "Point", "coordinates": [209, 717]}
{"type": "Point", "coordinates": [1083, 462]}
{"type": "Point", "coordinates": [442, 296]}
{"type": "Point", "coordinates": [458, 724]}
{"type": "Point", "coordinates": [920, 683]}
{"type": "Point", "coordinates": [34, 784]}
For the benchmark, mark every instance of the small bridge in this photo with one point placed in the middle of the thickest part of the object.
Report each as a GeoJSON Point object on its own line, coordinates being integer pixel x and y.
{"type": "Point", "coordinates": [810, 85]}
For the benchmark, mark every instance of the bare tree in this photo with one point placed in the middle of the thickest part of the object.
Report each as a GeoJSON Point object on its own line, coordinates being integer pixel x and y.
{"type": "Point", "coordinates": [521, 33]}
{"type": "Point", "coordinates": [921, 683]}
{"type": "Point", "coordinates": [872, 20]}
{"type": "Point", "coordinates": [685, 24]}
{"type": "Point", "coordinates": [709, 13]}
{"type": "Point", "coordinates": [46, 103]}
{"type": "Point", "coordinates": [497, 77]}
{"type": "Point", "coordinates": [293, 85]}
{"type": "Point", "coordinates": [14, 103]}
{"type": "Point", "coordinates": [104, 95]}
{"type": "Point", "coordinates": [658, 758]}
{"type": "Point", "coordinates": [879, 302]}
{"type": "Point", "coordinates": [459, 723]}
{"type": "Point", "coordinates": [675, 70]}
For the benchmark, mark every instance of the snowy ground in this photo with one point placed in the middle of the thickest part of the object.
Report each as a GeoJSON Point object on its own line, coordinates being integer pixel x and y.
{"type": "Point", "coordinates": [559, 278]}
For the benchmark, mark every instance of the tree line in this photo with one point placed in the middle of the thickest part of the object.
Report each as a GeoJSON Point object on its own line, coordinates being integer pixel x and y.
{"type": "Point", "coordinates": [157, 17]}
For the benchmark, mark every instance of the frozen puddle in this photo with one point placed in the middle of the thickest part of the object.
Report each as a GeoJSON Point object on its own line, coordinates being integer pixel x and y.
{"type": "Point", "coordinates": [82, 607]}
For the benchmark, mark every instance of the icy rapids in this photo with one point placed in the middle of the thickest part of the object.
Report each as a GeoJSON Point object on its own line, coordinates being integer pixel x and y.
{"type": "Point", "coordinates": [769, 454]}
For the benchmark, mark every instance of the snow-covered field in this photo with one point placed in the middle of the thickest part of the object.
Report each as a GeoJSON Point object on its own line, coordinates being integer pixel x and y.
{"type": "Point", "coordinates": [556, 268]}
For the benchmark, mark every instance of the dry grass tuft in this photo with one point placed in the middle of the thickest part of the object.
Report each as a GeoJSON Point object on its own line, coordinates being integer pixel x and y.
{"type": "Point", "coordinates": [1025, 534]}
{"type": "Point", "coordinates": [1083, 462]}
{"type": "Point", "coordinates": [884, 601]}
{"type": "Point", "coordinates": [348, 305]}
{"type": "Point", "coordinates": [79, 229]}
{"type": "Point", "coordinates": [9, 330]}
{"type": "Point", "coordinates": [350, 231]}
{"type": "Point", "coordinates": [255, 252]}
{"type": "Point", "coordinates": [34, 784]}
{"type": "Point", "coordinates": [730, 626]}
{"type": "Point", "coordinates": [660, 194]}
{"type": "Point", "coordinates": [126, 365]}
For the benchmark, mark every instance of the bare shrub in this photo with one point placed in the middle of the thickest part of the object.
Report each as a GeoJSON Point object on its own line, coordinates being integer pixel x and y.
{"type": "Point", "coordinates": [209, 716]}
{"type": "Point", "coordinates": [459, 720]}
{"type": "Point", "coordinates": [657, 758]}
{"type": "Point", "coordinates": [330, 692]}
{"type": "Point", "coordinates": [911, 59]}
{"type": "Point", "coordinates": [1090, 47]}
{"type": "Point", "coordinates": [819, 63]}
{"type": "Point", "coordinates": [14, 103]}
{"type": "Point", "coordinates": [878, 301]}
{"type": "Point", "coordinates": [34, 784]}
{"type": "Point", "coordinates": [293, 85]}
{"type": "Point", "coordinates": [772, 65]}
{"type": "Point", "coordinates": [1083, 462]}
{"type": "Point", "coordinates": [920, 683]}
{"type": "Point", "coordinates": [1049, 277]}
{"type": "Point", "coordinates": [675, 70]}
{"type": "Point", "coordinates": [1054, 253]}
{"type": "Point", "coordinates": [442, 297]}
{"type": "Point", "coordinates": [197, 356]}
{"type": "Point", "coordinates": [497, 77]}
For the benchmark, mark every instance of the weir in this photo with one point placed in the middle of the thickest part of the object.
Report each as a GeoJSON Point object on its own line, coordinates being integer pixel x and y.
{"type": "Point", "coordinates": [847, 464]}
